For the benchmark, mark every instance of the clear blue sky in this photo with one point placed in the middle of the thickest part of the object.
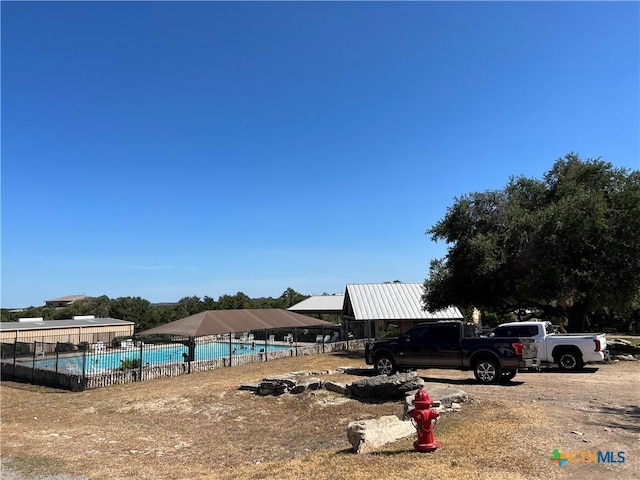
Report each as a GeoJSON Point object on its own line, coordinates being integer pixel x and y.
{"type": "Point", "coordinates": [163, 150]}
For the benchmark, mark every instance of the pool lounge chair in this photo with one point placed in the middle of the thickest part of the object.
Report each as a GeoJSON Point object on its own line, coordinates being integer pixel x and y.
{"type": "Point", "coordinates": [70, 367]}
{"type": "Point", "coordinates": [271, 339]}
{"type": "Point", "coordinates": [319, 339]}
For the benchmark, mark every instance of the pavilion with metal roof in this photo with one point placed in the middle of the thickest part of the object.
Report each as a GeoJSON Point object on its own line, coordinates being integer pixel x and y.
{"type": "Point", "coordinates": [319, 305]}
{"type": "Point", "coordinates": [374, 306]}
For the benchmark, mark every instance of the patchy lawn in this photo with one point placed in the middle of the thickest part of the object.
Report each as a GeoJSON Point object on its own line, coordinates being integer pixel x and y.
{"type": "Point", "coordinates": [201, 426]}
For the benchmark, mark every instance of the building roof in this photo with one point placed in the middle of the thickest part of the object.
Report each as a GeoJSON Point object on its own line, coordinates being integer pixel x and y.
{"type": "Point", "coordinates": [68, 298]}
{"type": "Point", "coordinates": [319, 304]}
{"type": "Point", "coordinates": [45, 324]}
{"type": "Point", "coordinates": [215, 322]}
{"type": "Point", "coordinates": [391, 301]}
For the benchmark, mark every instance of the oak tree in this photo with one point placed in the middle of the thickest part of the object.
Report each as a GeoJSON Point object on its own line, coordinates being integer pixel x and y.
{"type": "Point", "coordinates": [567, 245]}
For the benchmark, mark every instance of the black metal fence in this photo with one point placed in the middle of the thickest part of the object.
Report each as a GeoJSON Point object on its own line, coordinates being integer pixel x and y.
{"type": "Point", "coordinates": [83, 366]}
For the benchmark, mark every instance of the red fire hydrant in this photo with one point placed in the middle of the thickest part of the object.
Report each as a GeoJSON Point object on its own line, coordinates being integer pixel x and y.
{"type": "Point", "coordinates": [425, 418]}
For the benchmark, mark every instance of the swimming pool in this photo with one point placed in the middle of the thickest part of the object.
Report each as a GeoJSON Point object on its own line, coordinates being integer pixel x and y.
{"type": "Point", "coordinates": [151, 355]}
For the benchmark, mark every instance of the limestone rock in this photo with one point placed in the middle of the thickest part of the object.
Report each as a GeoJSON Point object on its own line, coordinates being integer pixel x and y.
{"type": "Point", "coordinates": [383, 387]}
{"type": "Point", "coordinates": [627, 358]}
{"type": "Point", "coordinates": [366, 436]}
{"type": "Point", "coordinates": [287, 380]}
{"type": "Point", "coordinates": [443, 397]}
{"type": "Point", "coordinates": [310, 384]}
{"type": "Point", "coordinates": [254, 387]}
{"type": "Point", "coordinates": [271, 388]}
{"type": "Point", "coordinates": [336, 387]}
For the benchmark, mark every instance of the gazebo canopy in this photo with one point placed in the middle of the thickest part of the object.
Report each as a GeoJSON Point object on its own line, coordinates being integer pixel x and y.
{"type": "Point", "coordinates": [215, 322]}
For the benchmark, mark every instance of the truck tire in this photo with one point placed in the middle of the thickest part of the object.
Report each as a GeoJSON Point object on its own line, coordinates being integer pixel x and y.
{"type": "Point", "coordinates": [384, 364]}
{"type": "Point", "coordinates": [487, 370]}
{"type": "Point", "coordinates": [569, 360]}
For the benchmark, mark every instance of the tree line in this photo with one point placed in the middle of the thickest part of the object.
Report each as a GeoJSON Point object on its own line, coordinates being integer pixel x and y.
{"type": "Point", "coordinates": [146, 315]}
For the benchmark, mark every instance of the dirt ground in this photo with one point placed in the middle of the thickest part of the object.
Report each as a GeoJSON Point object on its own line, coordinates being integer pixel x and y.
{"type": "Point", "coordinates": [201, 426]}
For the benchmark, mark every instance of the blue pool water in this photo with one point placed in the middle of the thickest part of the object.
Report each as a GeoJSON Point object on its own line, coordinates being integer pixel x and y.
{"type": "Point", "coordinates": [151, 355]}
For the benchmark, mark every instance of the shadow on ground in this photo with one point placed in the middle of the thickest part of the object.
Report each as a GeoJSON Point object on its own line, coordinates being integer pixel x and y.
{"type": "Point", "coordinates": [626, 418]}
{"type": "Point", "coordinates": [588, 369]}
{"type": "Point", "coordinates": [466, 381]}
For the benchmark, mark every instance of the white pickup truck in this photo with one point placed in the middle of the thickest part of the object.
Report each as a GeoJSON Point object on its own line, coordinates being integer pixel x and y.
{"type": "Point", "coordinates": [569, 351]}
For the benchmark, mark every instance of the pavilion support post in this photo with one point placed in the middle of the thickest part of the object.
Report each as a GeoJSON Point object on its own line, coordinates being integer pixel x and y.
{"type": "Point", "coordinates": [346, 331]}
{"type": "Point", "coordinates": [192, 353]}
{"type": "Point", "coordinates": [265, 345]}
{"type": "Point", "coordinates": [140, 357]}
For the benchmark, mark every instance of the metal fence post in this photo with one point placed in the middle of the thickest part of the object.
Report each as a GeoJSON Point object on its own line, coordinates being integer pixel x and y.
{"type": "Point", "coordinates": [84, 364]}
{"type": "Point", "coordinates": [15, 349]}
{"type": "Point", "coordinates": [33, 361]}
{"type": "Point", "coordinates": [140, 376]}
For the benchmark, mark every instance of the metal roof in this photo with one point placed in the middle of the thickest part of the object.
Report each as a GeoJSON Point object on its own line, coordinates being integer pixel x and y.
{"type": "Point", "coordinates": [214, 322]}
{"type": "Point", "coordinates": [70, 323]}
{"type": "Point", "coordinates": [68, 298]}
{"type": "Point", "coordinates": [319, 304]}
{"type": "Point", "coordinates": [392, 301]}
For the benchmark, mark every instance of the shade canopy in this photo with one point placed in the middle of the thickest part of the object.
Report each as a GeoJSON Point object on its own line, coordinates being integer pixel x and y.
{"type": "Point", "coordinates": [215, 322]}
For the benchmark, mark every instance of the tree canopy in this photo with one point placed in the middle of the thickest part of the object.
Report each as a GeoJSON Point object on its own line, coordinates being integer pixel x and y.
{"type": "Point", "coordinates": [567, 245]}
{"type": "Point", "coordinates": [146, 315]}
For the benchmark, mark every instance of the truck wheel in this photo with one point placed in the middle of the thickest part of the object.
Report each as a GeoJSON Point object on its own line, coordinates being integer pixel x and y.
{"type": "Point", "coordinates": [487, 370]}
{"type": "Point", "coordinates": [508, 374]}
{"type": "Point", "coordinates": [384, 365]}
{"type": "Point", "coordinates": [569, 361]}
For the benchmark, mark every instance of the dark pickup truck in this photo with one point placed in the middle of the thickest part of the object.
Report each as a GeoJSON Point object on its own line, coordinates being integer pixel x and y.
{"type": "Point", "coordinates": [454, 345]}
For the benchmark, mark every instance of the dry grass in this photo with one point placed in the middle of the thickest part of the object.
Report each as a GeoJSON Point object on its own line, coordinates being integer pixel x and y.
{"type": "Point", "coordinates": [201, 426]}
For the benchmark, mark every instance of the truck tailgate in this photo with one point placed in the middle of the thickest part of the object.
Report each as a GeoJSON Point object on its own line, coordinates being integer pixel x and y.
{"type": "Point", "coordinates": [529, 352]}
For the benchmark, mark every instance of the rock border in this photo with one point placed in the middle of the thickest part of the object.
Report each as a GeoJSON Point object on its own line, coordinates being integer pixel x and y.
{"type": "Point", "coordinates": [368, 435]}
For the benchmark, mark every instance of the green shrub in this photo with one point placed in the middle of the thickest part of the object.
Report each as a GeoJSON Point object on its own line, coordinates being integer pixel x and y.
{"type": "Point", "coordinates": [129, 364]}
{"type": "Point", "coordinates": [22, 349]}
{"type": "Point", "coordinates": [392, 331]}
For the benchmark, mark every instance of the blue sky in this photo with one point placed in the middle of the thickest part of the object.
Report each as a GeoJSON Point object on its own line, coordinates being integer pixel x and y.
{"type": "Point", "coordinates": [164, 150]}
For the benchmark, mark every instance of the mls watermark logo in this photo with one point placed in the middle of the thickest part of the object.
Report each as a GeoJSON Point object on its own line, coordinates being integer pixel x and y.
{"type": "Point", "coordinates": [586, 456]}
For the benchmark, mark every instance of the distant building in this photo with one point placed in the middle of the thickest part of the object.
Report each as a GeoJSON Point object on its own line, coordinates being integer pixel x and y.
{"type": "Point", "coordinates": [64, 301]}
{"type": "Point", "coordinates": [81, 328]}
